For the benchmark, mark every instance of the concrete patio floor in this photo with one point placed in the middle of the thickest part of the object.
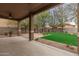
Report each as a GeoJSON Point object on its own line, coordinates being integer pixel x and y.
{"type": "Point", "coordinates": [20, 46]}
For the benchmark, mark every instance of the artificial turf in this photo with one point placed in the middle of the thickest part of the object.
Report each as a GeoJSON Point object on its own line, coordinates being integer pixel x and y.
{"type": "Point", "coordinates": [61, 37]}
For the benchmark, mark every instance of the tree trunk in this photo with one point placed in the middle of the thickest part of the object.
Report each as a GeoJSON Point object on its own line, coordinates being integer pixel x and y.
{"type": "Point", "coordinates": [62, 28]}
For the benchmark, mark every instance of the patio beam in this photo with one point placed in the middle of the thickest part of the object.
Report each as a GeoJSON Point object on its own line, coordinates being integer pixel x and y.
{"type": "Point", "coordinates": [31, 35]}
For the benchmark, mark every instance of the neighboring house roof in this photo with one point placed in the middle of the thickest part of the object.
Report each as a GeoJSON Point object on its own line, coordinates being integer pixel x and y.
{"type": "Point", "coordinates": [70, 23]}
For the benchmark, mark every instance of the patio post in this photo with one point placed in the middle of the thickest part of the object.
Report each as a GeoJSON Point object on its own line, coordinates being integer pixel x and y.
{"type": "Point", "coordinates": [31, 35]}
{"type": "Point", "coordinates": [78, 27]}
{"type": "Point", "coordinates": [18, 28]}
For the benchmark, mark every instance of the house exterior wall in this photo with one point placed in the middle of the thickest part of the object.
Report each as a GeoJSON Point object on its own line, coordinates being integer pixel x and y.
{"type": "Point", "coordinates": [70, 29]}
{"type": "Point", "coordinates": [5, 26]}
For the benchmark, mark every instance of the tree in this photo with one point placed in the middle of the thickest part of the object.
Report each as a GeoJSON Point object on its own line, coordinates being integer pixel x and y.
{"type": "Point", "coordinates": [62, 14]}
{"type": "Point", "coordinates": [24, 24]}
{"type": "Point", "coordinates": [57, 16]}
{"type": "Point", "coordinates": [41, 19]}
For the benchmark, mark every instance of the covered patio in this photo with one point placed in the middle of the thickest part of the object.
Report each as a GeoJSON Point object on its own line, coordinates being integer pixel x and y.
{"type": "Point", "coordinates": [20, 46]}
{"type": "Point", "coordinates": [23, 45]}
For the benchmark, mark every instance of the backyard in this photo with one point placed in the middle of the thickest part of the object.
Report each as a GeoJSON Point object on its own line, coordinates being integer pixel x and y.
{"type": "Point", "coordinates": [65, 38]}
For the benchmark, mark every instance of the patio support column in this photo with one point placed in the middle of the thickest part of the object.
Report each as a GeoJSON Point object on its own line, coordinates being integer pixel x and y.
{"type": "Point", "coordinates": [31, 34]}
{"type": "Point", "coordinates": [78, 26]}
{"type": "Point", "coordinates": [18, 28]}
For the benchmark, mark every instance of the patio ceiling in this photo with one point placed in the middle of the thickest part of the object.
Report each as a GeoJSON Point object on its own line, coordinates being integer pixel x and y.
{"type": "Point", "coordinates": [19, 11]}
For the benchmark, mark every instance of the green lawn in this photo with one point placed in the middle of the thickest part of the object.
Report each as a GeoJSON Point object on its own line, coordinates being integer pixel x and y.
{"type": "Point", "coordinates": [64, 38]}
